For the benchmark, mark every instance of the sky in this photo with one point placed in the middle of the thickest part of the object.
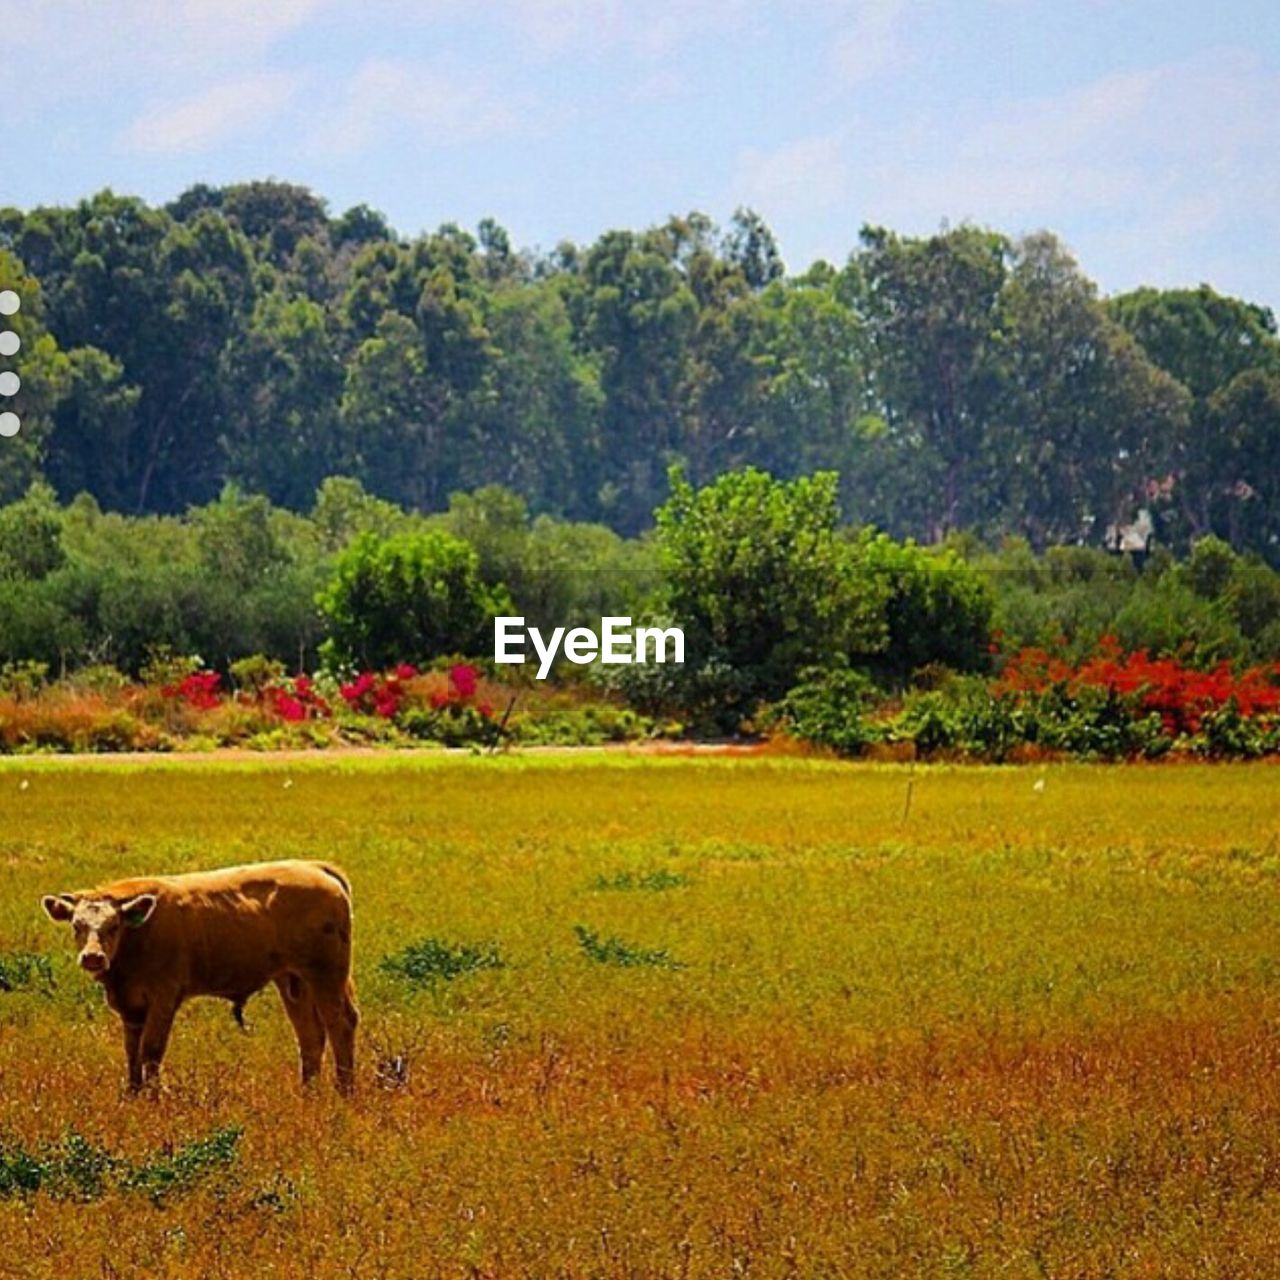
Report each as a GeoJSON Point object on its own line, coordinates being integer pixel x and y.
{"type": "Point", "coordinates": [1146, 133]}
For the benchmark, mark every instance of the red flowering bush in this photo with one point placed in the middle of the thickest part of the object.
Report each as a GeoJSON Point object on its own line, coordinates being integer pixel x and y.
{"type": "Point", "coordinates": [200, 689]}
{"type": "Point", "coordinates": [1182, 696]}
{"type": "Point", "coordinates": [380, 695]}
{"type": "Point", "coordinates": [463, 680]}
{"type": "Point", "coordinates": [295, 700]}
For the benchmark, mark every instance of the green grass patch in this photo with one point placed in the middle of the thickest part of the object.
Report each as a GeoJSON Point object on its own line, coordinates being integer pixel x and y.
{"type": "Point", "coordinates": [25, 971]}
{"type": "Point", "coordinates": [75, 1168]}
{"type": "Point", "coordinates": [431, 960]}
{"type": "Point", "coordinates": [620, 954]}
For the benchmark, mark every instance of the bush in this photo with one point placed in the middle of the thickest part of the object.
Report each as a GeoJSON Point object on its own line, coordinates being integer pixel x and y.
{"type": "Point", "coordinates": [432, 960]}
{"type": "Point", "coordinates": [936, 609]}
{"type": "Point", "coordinates": [409, 598]}
{"type": "Point", "coordinates": [762, 585]}
{"type": "Point", "coordinates": [827, 709]}
{"type": "Point", "coordinates": [964, 717]}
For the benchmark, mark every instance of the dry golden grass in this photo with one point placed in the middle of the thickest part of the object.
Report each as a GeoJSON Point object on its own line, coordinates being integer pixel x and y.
{"type": "Point", "coordinates": [1015, 1032]}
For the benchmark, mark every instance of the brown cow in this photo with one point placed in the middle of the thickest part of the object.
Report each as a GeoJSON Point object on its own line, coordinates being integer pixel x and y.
{"type": "Point", "coordinates": [153, 942]}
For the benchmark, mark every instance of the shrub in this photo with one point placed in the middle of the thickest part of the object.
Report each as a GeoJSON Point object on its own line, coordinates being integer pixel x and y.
{"type": "Point", "coordinates": [613, 951]}
{"type": "Point", "coordinates": [433, 960]}
{"type": "Point", "coordinates": [962, 716]}
{"type": "Point", "coordinates": [411, 597]}
{"type": "Point", "coordinates": [75, 1168]}
{"type": "Point", "coordinates": [25, 971]}
{"type": "Point", "coordinates": [763, 585]}
{"type": "Point", "coordinates": [827, 709]}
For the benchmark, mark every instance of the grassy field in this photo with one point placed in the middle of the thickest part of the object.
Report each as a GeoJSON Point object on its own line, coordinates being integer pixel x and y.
{"type": "Point", "coordinates": [704, 1018]}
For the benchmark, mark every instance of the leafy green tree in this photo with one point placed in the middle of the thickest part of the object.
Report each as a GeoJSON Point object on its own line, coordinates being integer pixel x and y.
{"type": "Point", "coordinates": [1089, 424]}
{"type": "Point", "coordinates": [936, 609]}
{"type": "Point", "coordinates": [282, 431]}
{"type": "Point", "coordinates": [1199, 336]}
{"type": "Point", "coordinates": [31, 535]}
{"type": "Point", "coordinates": [536, 415]}
{"type": "Point", "coordinates": [1232, 477]}
{"type": "Point", "coordinates": [45, 373]}
{"type": "Point", "coordinates": [759, 578]}
{"type": "Point", "coordinates": [409, 598]}
{"type": "Point", "coordinates": [633, 307]}
{"type": "Point", "coordinates": [933, 313]}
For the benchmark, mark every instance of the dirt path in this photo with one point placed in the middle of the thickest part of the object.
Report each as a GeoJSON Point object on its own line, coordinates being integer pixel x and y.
{"type": "Point", "coordinates": [243, 754]}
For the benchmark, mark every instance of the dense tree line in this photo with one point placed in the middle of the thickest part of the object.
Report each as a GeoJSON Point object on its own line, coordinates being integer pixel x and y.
{"type": "Point", "coordinates": [765, 576]}
{"type": "Point", "coordinates": [962, 380]}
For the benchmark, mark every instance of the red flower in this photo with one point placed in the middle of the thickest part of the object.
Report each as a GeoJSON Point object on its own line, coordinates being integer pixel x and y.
{"type": "Point", "coordinates": [463, 678]}
{"type": "Point", "coordinates": [199, 689]}
{"type": "Point", "coordinates": [406, 671]}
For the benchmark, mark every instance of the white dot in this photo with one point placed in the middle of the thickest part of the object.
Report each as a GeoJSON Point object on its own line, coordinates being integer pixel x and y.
{"type": "Point", "coordinates": [9, 424]}
{"type": "Point", "coordinates": [9, 302]}
{"type": "Point", "coordinates": [9, 383]}
{"type": "Point", "coordinates": [9, 343]}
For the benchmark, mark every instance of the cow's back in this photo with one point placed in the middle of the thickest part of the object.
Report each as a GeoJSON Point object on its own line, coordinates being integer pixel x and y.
{"type": "Point", "coordinates": [231, 931]}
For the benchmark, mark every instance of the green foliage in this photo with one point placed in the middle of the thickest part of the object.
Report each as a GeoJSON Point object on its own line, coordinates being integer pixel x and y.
{"type": "Point", "coordinates": [453, 725]}
{"type": "Point", "coordinates": [962, 717]}
{"type": "Point", "coordinates": [432, 960]}
{"type": "Point", "coordinates": [965, 717]}
{"type": "Point", "coordinates": [648, 881]}
{"type": "Point", "coordinates": [763, 586]}
{"type": "Point", "coordinates": [622, 955]}
{"type": "Point", "coordinates": [23, 679]}
{"type": "Point", "coordinates": [407, 598]}
{"type": "Point", "coordinates": [25, 971]}
{"type": "Point", "coordinates": [76, 1168]}
{"type": "Point", "coordinates": [243, 334]}
{"type": "Point", "coordinates": [935, 608]}
{"type": "Point", "coordinates": [31, 536]}
{"type": "Point", "coordinates": [256, 672]}
{"type": "Point", "coordinates": [828, 708]}
{"type": "Point", "coordinates": [586, 725]}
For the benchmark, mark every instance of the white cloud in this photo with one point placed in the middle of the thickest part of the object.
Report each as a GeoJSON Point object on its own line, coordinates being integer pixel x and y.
{"type": "Point", "coordinates": [648, 27]}
{"type": "Point", "coordinates": [388, 98]}
{"type": "Point", "coordinates": [870, 43]}
{"type": "Point", "coordinates": [212, 116]}
{"type": "Point", "coordinates": [801, 177]}
{"type": "Point", "coordinates": [82, 46]}
{"type": "Point", "coordinates": [1151, 172]}
{"type": "Point", "coordinates": [1150, 139]}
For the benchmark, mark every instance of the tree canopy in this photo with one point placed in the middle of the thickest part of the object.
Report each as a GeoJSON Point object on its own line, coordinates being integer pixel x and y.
{"type": "Point", "coordinates": [961, 380]}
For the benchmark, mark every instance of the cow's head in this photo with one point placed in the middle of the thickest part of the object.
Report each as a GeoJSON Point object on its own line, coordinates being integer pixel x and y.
{"type": "Point", "coordinates": [99, 924]}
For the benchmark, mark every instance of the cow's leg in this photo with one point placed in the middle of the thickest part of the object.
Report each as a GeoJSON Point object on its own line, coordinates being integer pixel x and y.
{"type": "Point", "coordinates": [337, 1007]}
{"type": "Point", "coordinates": [133, 1051]}
{"type": "Point", "coordinates": [308, 1026]}
{"type": "Point", "coordinates": [155, 1037]}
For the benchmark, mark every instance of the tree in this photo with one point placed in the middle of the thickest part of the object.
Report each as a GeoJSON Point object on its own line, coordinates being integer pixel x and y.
{"type": "Point", "coordinates": [758, 577]}
{"type": "Point", "coordinates": [409, 598]}
{"type": "Point", "coordinates": [1088, 425]}
{"type": "Point", "coordinates": [933, 314]}
{"type": "Point", "coordinates": [1232, 478]}
{"type": "Point", "coordinates": [634, 309]}
{"type": "Point", "coordinates": [282, 430]}
{"type": "Point", "coordinates": [45, 374]}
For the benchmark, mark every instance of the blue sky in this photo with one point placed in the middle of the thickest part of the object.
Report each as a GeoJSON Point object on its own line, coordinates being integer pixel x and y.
{"type": "Point", "coordinates": [1145, 132]}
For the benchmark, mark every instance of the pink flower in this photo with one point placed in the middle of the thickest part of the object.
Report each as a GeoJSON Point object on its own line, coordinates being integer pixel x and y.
{"type": "Point", "coordinates": [463, 679]}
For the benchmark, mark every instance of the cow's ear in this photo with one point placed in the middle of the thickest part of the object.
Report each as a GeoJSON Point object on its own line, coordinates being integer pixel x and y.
{"type": "Point", "coordinates": [60, 907]}
{"type": "Point", "coordinates": [137, 911]}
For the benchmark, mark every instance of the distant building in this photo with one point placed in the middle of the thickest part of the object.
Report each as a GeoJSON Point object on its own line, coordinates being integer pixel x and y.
{"type": "Point", "coordinates": [1136, 539]}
